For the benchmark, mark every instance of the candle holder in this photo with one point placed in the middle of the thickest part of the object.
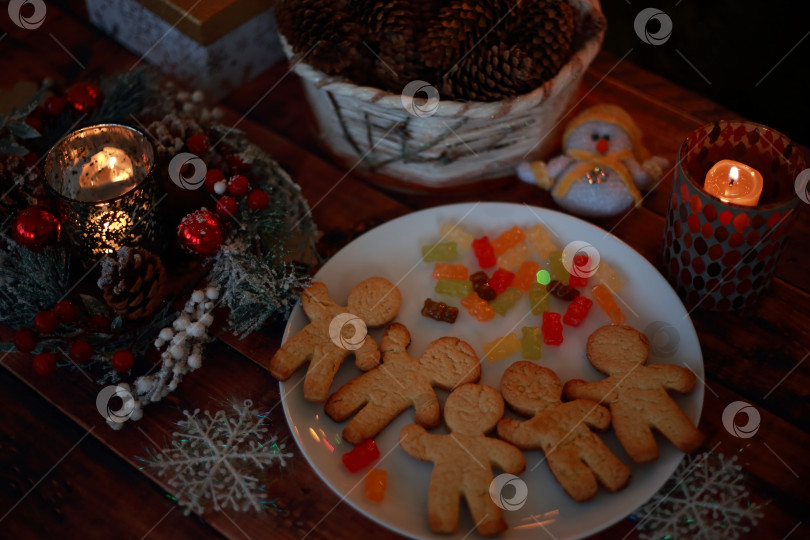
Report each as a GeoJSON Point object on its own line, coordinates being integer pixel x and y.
{"type": "Point", "coordinates": [718, 255]}
{"type": "Point", "coordinates": [101, 177]}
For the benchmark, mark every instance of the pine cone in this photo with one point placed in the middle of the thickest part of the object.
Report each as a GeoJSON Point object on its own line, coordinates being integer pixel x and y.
{"type": "Point", "coordinates": [171, 133]}
{"type": "Point", "coordinates": [20, 185]}
{"type": "Point", "coordinates": [133, 283]}
{"type": "Point", "coordinates": [490, 74]}
{"type": "Point", "coordinates": [545, 30]}
{"type": "Point", "coordinates": [458, 29]}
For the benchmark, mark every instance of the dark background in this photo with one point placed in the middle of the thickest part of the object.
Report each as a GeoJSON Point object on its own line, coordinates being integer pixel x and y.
{"type": "Point", "coordinates": [734, 44]}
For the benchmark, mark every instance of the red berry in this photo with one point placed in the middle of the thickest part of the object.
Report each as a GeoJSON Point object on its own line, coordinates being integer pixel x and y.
{"type": "Point", "coordinates": [101, 323]}
{"type": "Point", "coordinates": [123, 361]}
{"type": "Point", "coordinates": [45, 363]}
{"type": "Point", "coordinates": [54, 105]}
{"type": "Point", "coordinates": [81, 352]}
{"type": "Point", "coordinates": [212, 177]}
{"type": "Point", "coordinates": [238, 185]}
{"type": "Point", "coordinates": [24, 340]}
{"type": "Point", "coordinates": [65, 311]}
{"type": "Point", "coordinates": [45, 322]}
{"type": "Point", "coordinates": [236, 163]}
{"type": "Point", "coordinates": [35, 123]}
{"type": "Point", "coordinates": [226, 206]}
{"type": "Point", "coordinates": [258, 199]}
{"type": "Point", "coordinates": [197, 144]}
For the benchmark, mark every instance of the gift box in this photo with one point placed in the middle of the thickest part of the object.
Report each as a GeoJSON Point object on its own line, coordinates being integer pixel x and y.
{"type": "Point", "coordinates": [215, 45]}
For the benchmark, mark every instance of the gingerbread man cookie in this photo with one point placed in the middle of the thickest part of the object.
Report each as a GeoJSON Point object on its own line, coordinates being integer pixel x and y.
{"type": "Point", "coordinates": [637, 394]}
{"type": "Point", "coordinates": [401, 382]}
{"type": "Point", "coordinates": [575, 455]}
{"type": "Point", "coordinates": [375, 302]}
{"type": "Point", "coordinates": [463, 460]}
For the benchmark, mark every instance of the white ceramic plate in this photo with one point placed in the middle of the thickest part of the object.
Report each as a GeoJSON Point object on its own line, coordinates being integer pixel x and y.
{"type": "Point", "coordinates": [393, 251]}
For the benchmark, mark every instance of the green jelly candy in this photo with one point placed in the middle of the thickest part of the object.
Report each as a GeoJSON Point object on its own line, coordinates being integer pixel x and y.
{"type": "Point", "coordinates": [531, 341]}
{"type": "Point", "coordinates": [506, 300]}
{"type": "Point", "coordinates": [538, 298]}
{"type": "Point", "coordinates": [441, 252]}
{"type": "Point", "coordinates": [556, 268]}
{"type": "Point", "coordinates": [454, 287]}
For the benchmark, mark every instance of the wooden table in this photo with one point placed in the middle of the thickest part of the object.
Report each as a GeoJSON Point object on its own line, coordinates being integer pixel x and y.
{"type": "Point", "coordinates": [66, 475]}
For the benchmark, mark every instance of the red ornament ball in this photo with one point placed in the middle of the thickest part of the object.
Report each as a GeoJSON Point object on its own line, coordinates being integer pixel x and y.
{"type": "Point", "coordinates": [212, 176]}
{"type": "Point", "coordinates": [65, 311]}
{"type": "Point", "coordinates": [101, 323]}
{"type": "Point", "coordinates": [54, 105]}
{"type": "Point", "coordinates": [227, 207]}
{"type": "Point", "coordinates": [45, 363]}
{"type": "Point", "coordinates": [45, 322]}
{"type": "Point", "coordinates": [24, 340]}
{"type": "Point", "coordinates": [200, 233]}
{"type": "Point", "coordinates": [123, 361]}
{"type": "Point", "coordinates": [84, 97]}
{"type": "Point", "coordinates": [258, 199]}
{"type": "Point", "coordinates": [36, 228]}
{"type": "Point", "coordinates": [81, 352]}
{"type": "Point", "coordinates": [197, 144]}
{"type": "Point", "coordinates": [238, 185]}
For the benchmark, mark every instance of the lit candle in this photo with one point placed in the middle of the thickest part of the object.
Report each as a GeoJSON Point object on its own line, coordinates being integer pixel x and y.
{"type": "Point", "coordinates": [104, 175]}
{"type": "Point", "coordinates": [734, 182]}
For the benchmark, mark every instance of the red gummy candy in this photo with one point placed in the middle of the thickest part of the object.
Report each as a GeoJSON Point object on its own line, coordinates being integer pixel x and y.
{"type": "Point", "coordinates": [361, 456]}
{"type": "Point", "coordinates": [484, 252]}
{"type": "Point", "coordinates": [501, 279]}
{"type": "Point", "coordinates": [552, 328]}
{"type": "Point", "coordinates": [577, 311]}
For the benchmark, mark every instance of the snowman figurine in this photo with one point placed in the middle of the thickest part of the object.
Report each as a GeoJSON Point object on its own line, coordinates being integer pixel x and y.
{"type": "Point", "coordinates": [603, 165]}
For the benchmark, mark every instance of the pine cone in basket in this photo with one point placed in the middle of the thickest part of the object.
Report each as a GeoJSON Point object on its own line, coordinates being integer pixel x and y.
{"type": "Point", "coordinates": [133, 283]}
{"type": "Point", "coordinates": [545, 30]}
{"type": "Point", "coordinates": [491, 73]}
{"type": "Point", "coordinates": [171, 133]}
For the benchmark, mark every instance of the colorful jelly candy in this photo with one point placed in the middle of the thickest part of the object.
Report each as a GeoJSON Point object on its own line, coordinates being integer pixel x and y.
{"type": "Point", "coordinates": [439, 311]}
{"type": "Point", "coordinates": [577, 311]}
{"type": "Point", "coordinates": [506, 301]}
{"type": "Point", "coordinates": [607, 275]}
{"type": "Point", "coordinates": [557, 269]}
{"type": "Point", "coordinates": [478, 308]}
{"type": "Point", "coordinates": [552, 328]}
{"type": "Point", "coordinates": [484, 252]}
{"type": "Point", "coordinates": [454, 233]}
{"type": "Point", "coordinates": [480, 284]}
{"type": "Point", "coordinates": [361, 456]}
{"type": "Point", "coordinates": [541, 242]}
{"type": "Point", "coordinates": [513, 257]}
{"type": "Point", "coordinates": [538, 298]}
{"type": "Point", "coordinates": [374, 485]}
{"type": "Point", "coordinates": [563, 292]}
{"type": "Point", "coordinates": [453, 287]}
{"type": "Point", "coordinates": [508, 239]}
{"type": "Point", "coordinates": [531, 342]}
{"type": "Point", "coordinates": [442, 252]}
{"type": "Point", "coordinates": [501, 279]}
{"type": "Point", "coordinates": [604, 298]}
{"type": "Point", "coordinates": [501, 347]}
{"type": "Point", "coordinates": [580, 271]}
{"type": "Point", "coordinates": [526, 275]}
{"type": "Point", "coordinates": [450, 271]}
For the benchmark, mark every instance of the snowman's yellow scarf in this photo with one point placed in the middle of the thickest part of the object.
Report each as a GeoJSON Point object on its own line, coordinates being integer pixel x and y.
{"type": "Point", "coordinates": [590, 160]}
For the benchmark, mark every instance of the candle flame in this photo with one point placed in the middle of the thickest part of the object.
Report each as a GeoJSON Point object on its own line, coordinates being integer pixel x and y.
{"type": "Point", "coordinates": [733, 176]}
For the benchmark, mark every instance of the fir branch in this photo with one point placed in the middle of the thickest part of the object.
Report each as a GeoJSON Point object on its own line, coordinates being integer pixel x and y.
{"type": "Point", "coordinates": [31, 282]}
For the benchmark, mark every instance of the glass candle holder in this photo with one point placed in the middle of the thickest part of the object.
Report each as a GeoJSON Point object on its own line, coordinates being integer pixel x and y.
{"type": "Point", "coordinates": [101, 177]}
{"type": "Point", "coordinates": [719, 255]}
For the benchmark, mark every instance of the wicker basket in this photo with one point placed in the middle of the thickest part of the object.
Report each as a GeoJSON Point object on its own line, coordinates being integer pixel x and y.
{"type": "Point", "coordinates": [458, 144]}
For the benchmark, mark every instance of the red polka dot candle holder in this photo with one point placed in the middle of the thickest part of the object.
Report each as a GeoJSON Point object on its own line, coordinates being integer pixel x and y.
{"type": "Point", "coordinates": [732, 205]}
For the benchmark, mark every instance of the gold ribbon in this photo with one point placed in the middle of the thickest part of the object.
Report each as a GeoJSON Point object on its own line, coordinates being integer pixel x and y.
{"type": "Point", "coordinates": [591, 160]}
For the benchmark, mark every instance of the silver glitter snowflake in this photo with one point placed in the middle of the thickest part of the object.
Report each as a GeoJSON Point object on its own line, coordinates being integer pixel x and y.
{"type": "Point", "coordinates": [705, 499]}
{"type": "Point", "coordinates": [218, 460]}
